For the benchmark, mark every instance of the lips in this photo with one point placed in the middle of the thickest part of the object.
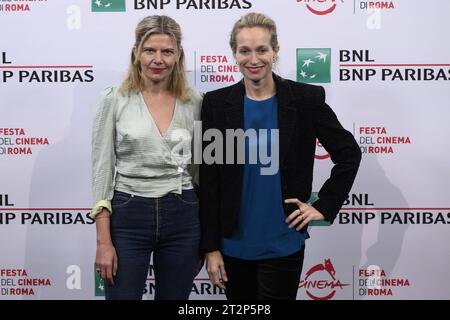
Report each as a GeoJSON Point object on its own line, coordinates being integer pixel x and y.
{"type": "Point", "coordinates": [157, 70]}
{"type": "Point", "coordinates": [253, 69]}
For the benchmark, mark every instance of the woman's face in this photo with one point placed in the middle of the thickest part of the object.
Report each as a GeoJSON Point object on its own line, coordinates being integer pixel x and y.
{"type": "Point", "coordinates": [158, 58]}
{"type": "Point", "coordinates": [254, 53]}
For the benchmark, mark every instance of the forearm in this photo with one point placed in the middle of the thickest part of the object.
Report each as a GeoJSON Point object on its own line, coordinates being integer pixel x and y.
{"type": "Point", "coordinates": [102, 223]}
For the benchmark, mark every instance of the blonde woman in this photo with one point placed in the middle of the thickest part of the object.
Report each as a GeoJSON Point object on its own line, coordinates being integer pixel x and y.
{"type": "Point", "coordinates": [143, 189]}
{"type": "Point", "coordinates": [254, 225]}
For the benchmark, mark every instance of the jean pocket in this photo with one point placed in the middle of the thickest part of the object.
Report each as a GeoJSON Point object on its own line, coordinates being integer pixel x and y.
{"type": "Point", "coordinates": [187, 197]}
{"type": "Point", "coordinates": [121, 199]}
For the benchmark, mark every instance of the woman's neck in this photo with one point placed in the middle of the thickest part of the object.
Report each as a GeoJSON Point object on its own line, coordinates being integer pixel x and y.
{"type": "Point", "coordinates": [260, 90]}
{"type": "Point", "coordinates": [156, 88]}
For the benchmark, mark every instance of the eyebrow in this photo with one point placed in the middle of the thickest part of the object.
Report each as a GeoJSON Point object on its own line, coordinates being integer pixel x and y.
{"type": "Point", "coordinates": [258, 47]}
{"type": "Point", "coordinates": [163, 49]}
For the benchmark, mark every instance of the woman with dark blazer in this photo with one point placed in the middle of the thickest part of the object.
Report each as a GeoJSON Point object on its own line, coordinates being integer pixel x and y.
{"type": "Point", "coordinates": [254, 225]}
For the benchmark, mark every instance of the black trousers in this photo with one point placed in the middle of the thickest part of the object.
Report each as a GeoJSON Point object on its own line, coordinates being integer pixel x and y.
{"type": "Point", "coordinates": [268, 279]}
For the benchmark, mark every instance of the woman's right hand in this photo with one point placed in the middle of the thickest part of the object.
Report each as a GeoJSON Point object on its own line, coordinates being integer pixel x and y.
{"type": "Point", "coordinates": [216, 268]}
{"type": "Point", "coordinates": [106, 257]}
{"type": "Point", "coordinates": [106, 261]}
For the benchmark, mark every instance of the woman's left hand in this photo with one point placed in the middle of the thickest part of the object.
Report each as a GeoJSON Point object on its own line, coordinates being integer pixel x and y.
{"type": "Point", "coordinates": [304, 214]}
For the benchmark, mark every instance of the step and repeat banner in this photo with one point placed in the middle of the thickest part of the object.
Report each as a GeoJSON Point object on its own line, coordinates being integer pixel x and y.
{"type": "Point", "coordinates": [385, 66]}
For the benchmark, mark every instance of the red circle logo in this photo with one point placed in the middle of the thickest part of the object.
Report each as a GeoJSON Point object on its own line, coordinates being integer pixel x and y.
{"type": "Point", "coordinates": [323, 8]}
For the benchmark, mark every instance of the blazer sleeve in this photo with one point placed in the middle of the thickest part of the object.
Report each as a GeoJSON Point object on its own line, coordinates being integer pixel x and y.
{"type": "Point", "coordinates": [345, 154]}
{"type": "Point", "coordinates": [209, 189]}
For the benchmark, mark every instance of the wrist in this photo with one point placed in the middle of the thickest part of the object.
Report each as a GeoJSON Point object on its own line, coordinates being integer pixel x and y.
{"type": "Point", "coordinates": [213, 253]}
{"type": "Point", "coordinates": [104, 241]}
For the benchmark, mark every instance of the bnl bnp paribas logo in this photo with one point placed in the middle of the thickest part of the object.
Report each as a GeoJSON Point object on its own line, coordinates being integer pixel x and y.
{"type": "Point", "coordinates": [108, 6]}
{"type": "Point", "coordinates": [314, 65]}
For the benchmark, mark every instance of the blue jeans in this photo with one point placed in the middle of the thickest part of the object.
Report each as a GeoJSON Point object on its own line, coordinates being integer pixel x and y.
{"type": "Point", "coordinates": [169, 228]}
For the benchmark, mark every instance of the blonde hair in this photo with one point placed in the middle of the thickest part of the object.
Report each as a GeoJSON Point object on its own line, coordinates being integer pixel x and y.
{"type": "Point", "coordinates": [148, 26]}
{"type": "Point", "coordinates": [251, 20]}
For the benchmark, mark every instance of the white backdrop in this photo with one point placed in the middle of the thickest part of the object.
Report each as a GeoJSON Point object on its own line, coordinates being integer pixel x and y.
{"type": "Point", "coordinates": [389, 240]}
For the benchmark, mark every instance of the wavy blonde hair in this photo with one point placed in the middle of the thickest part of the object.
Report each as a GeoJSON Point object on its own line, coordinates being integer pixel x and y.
{"type": "Point", "coordinates": [148, 26]}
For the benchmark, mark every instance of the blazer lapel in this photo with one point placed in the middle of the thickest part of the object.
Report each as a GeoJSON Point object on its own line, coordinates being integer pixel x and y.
{"type": "Point", "coordinates": [234, 115]}
{"type": "Point", "coordinates": [235, 107]}
{"type": "Point", "coordinates": [286, 116]}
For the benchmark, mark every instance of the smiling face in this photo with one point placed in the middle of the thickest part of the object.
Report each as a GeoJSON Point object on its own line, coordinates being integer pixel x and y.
{"type": "Point", "coordinates": [254, 53]}
{"type": "Point", "coordinates": [158, 58]}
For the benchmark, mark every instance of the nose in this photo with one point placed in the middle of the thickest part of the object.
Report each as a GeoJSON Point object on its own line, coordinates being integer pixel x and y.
{"type": "Point", "coordinates": [254, 58]}
{"type": "Point", "coordinates": [158, 57]}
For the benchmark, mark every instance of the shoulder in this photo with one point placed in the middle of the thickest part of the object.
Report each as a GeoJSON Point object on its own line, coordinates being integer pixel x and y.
{"type": "Point", "coordinates": [193, 105]}
{"type": "Point", "coordinates": [108, 92]}
{"type": "Point", "coordinates": [105, 98]}
{"type": "Point", "coordinates": [114, 92]}
{"type": "Point", "coordinates": [109, 100]}
{"type": "Point", "coordinates": [113, 96]}
{"type": "Point", "coordinates": [222, 93]}
{"type": "Point", "coordinates": [303, 91]}
{"type": "Point", "coordinates": [108, 95]}
{"type": "Point", "coordinates": [194, 99]}
{"type": "Point", "coordinates": [195, 96]}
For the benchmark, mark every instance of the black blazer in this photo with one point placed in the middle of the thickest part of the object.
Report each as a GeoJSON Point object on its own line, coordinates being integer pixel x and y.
{"type": "Point", "coordinates": [303, 116]}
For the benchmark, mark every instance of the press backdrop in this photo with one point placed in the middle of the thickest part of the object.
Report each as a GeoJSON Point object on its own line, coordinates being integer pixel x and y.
{"type": "Point", "coordinates": [385, 66]}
